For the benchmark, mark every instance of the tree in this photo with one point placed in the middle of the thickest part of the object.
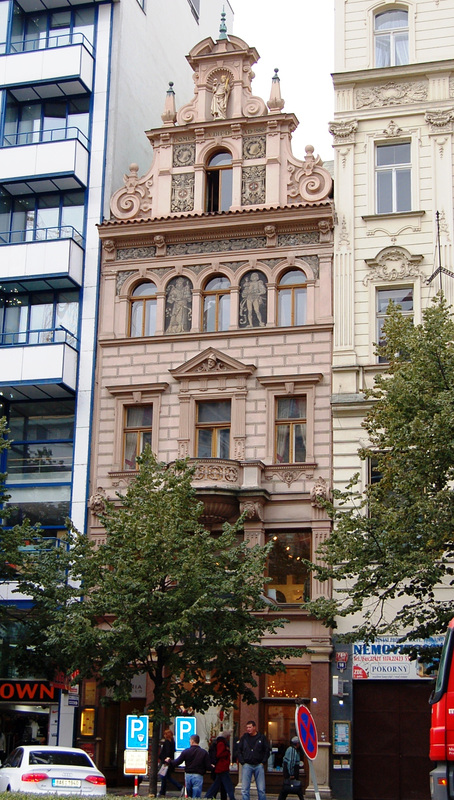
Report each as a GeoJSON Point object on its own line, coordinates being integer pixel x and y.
{"type": "Point", "coordinates": [160, 596]}
{"type": "Point", "coordinates": [392, 546]}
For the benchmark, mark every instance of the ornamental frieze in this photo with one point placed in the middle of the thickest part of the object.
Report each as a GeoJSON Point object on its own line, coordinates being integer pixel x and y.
{"type": "Point", "coordinates": [254, 147]}
{"type": "Point", "coordinates": [216, 472]}
{"type": "Point", "coordinates": [296, 239]}
{"type": "Point", "coordinates": [217, 246]}
{"type": "Point", "coordinates": [122, 277]}
{"type": "Point", "coordinates": [133, 253]}
{"type": "Point", "coordinates": [253, 185]}
{"type": "Point", "coordinates": [184, 155]}
{"type": "Point", "coordinates": [182, 192]}
{"type": "Point", "coordinates": [233, 265]}
{"type": "Point", "coordinates": [391, 94]}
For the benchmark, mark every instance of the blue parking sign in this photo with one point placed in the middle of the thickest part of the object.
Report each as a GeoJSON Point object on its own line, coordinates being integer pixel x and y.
{"type": "Point", "coordinates": [136, 732]}
{"type": "Point", "coordinates": [185, 727]}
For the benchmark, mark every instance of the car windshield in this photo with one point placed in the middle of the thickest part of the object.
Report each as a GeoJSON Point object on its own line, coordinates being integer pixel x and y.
{"type": "Point", "coordinates": [67, 759]}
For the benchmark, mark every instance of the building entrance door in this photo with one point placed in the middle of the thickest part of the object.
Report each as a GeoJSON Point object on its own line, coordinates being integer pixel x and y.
{"type": "Point", "coordinates": [391, 740]}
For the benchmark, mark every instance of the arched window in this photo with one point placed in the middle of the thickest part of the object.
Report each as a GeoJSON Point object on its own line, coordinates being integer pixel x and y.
{"type": "Point", "coordinates": [216, 304]}
{"type": "Point", "coordinates": [219, 182]}
{"type": "Point", "coordinates": [143, 310]}
{"type": "Point", "coordinates": [292, 298]}
{"type": "Point", "coordinates": [391, 38]}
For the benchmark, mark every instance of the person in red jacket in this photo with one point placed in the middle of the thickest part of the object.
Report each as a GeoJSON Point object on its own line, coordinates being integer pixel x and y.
{"type": "Point", "coordinates": [222, 767]}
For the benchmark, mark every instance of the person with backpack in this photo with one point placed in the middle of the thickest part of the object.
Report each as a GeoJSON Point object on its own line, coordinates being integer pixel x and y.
{"type": "Point", "coordinates": [219, 753]}
{"type": "Point", "coordinates": [253, 752]}
{"type": "Point", "coordinates": [290, 769]}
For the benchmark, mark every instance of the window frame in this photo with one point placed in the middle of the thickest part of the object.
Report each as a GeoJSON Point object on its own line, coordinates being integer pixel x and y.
{"type": "Point", "coordinates": [379, 316]}
{"type": "Point", "coordinates": [217, 294]}
{"type": "Point", "coordinates": [392, 33]}
{"type": "Point", "coordinates": [213, 183]}
{"type": "Point", "coordinates": [127, 396]}
{"type": "Point", "coordinates": [285, 533]}
{"type": "Point", "coordinates": [293, 287]}
{"type": "Point", "coordinates": [291, 422]}
{"type": "Point", "coordinates": [12, 235]}
{"type": "Point", "coordinates": [215, 427]}
{"type": "Point", "coordinates": [142, 299]}
{"type": "Point", "coordinates": [286, 386]}
{"type": "Point", "coordinates": [138, 430]}
{"type": "Point", "coordinates": [395, 169]}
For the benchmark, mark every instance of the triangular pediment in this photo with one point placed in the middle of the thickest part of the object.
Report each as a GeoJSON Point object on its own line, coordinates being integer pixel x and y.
{"type": "Point", "coordinates": [212, 362]}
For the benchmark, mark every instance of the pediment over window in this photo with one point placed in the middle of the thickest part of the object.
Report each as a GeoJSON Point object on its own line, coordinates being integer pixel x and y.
{"type": "Point", "coordinates": [392, 264]}
{"type": "Point", "coordinates": [212, 363]}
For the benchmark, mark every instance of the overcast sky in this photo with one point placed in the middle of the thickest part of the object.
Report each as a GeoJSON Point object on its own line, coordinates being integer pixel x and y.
{"type": "Point", "coordinates": [297, 37]}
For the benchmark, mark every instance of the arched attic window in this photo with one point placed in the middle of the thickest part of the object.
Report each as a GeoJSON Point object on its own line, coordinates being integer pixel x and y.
{"type": "Point", "coordinates": [143, 310]}
{"type": "Point", "coordinates": [391, 37]}
{"type": "Point", "coordinates": [219, 182]}
{"type": "Point", "coordinates": [292, 298]}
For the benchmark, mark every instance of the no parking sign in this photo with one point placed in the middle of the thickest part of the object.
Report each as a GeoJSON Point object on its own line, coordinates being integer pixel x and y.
{"type": "Point", "coordinates": [307, 732]}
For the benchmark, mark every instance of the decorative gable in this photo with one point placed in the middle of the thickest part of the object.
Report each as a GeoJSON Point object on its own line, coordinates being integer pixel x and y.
{"type": "Point", "coordinates": [212, 366]}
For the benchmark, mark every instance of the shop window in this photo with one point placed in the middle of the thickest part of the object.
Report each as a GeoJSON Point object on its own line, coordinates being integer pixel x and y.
{"type": "Point", "coordinates": [219, 182]}
{"type": "Point", "coordinates": [289, 578]}
{"type": "Point", "coordinates": [216, 304]}
{"type": "Point", "coordinates": [391, 38]}
{"type": "Point", "coordinates": [292, 298]}
{"type": "Point", "coordinates": [403, 298]}
{"type": "Point", "coordinates": [143, 310]}
{"type": "Point", "coordinates": [213, 429]}
{"type": "Point", "coordinates": [279, 705]}
{"type": "Point", "coordinates": [137, 433]}
{"type": "Point", "coordinates": [393, 178]}
{"type": "Point", "coordinates": [290, 430]}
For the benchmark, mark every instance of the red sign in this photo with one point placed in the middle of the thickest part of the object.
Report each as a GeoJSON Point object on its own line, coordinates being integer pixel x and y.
{"type": "Point", "coordinates": [28, 691]}
{"type": "Point", "coordinates": [307, 731]}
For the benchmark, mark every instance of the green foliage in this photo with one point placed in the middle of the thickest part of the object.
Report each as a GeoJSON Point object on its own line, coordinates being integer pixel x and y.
{"type": "Point", "coordinates": [161, 595]}
{"type": "Point", "coordinates": [393, 544]}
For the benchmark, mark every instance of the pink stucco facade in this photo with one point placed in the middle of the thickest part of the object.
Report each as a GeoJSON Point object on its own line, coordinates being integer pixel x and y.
{"type": "Point", "coordinates": [220, 321]}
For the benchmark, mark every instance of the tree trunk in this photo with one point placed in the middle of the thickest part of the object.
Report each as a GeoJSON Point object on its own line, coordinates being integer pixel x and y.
{"type": "Point", "coordinates": [153, 750]}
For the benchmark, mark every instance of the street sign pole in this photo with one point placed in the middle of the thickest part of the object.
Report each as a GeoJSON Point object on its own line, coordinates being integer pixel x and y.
{"type": "Point", "coordinates": [307, 734]}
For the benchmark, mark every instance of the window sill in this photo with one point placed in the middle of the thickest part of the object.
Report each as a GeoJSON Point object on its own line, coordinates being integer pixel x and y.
{"type": "Point", "coordinates": [392, 215]}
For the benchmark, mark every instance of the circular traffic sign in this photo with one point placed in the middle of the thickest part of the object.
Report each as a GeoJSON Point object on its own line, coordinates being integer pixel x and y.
{"type": "Point", "coordinates": [307, 732]}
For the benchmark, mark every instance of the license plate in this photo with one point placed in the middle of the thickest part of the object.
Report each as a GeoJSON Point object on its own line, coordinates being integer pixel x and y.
{"type": "Point", "coordinates": [66, 782]}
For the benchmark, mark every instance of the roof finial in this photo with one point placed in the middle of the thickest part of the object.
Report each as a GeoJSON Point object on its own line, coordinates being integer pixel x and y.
{"type": "Point", "coordinates": [223, 26]}
{"type": "Point", "coordinates": [169, 116]}
{"type": "Point", "coordinates": [275, 103]}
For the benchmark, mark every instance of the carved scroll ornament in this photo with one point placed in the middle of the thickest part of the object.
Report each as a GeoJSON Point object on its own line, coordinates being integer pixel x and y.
{"type": "Point", "coordinates": [392, 264]}
{"type": "Point", "coordinates": [308, 181]}
{"type": "Point", "coordinates": [134, 199]}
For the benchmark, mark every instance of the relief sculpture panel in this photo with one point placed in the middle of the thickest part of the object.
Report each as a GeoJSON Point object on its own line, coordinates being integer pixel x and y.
{"type": "Point", "coordinates": [253, 300]}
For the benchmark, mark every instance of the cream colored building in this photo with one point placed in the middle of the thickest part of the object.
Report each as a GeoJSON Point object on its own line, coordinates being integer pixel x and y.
{"type": "Point", "coordinates": [215, 342]}
{"type": "Point", "coordinates": [393, 142]}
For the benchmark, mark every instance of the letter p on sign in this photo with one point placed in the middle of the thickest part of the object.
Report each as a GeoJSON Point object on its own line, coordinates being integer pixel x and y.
{"type": "Point", "coordinates": [185, 727]}
{"type": "Point", "coordinates": [136, 732]}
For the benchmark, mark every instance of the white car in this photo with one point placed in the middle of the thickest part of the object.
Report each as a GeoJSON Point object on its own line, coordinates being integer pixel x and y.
{"type": "Point", "coordinates": [42, 769]}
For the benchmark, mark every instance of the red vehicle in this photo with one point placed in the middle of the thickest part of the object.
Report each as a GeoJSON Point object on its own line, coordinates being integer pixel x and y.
{"type": "Point", "coordinates": [442, 724]}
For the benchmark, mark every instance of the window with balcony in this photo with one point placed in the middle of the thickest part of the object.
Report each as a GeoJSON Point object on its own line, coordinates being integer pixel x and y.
{"type": "Point", "coordinates": [289, 578]}
{"type": "Point", "coordinates": [49, 121]}
{"type": "Point", "coordinates": [393, 177]}
{"type": "Point", "coordinates": [219, 182]}
{"type": "Point", "coordinates": [292, 298]}
{"type": "Point", "coordinates": [37, 31]}
{"type": "Point", "coordinates": [137, 433]}
{"type": "Point", "coordinates": [216, 304]}
{"type": "Point", "coordinates": [143, 310]}
{"type": "Point", "coordinates": [40, 460]}
{"type": "Point", "coordinates": [391, 38]}
{"type": "Point", "coordinates": [403, 298]}
{"type": "Point", "coordinates": [213, 429]}
{"type": "Point", "coordinates": [290, 430]}
{"type": "Point", "coordinates": [38, 217]}
{"type": "Point", "coordinates": [38, 317]}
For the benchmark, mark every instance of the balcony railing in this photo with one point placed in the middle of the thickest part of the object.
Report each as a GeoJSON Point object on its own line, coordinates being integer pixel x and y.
{"type": "Point", "coordinates": [42, 235]}
{"type": "Point", "coordinates": [58, 335]}
{"type": "Point", "coordinates": [44, 43]}
{"type": "Point", "coordinates": [49, 135]}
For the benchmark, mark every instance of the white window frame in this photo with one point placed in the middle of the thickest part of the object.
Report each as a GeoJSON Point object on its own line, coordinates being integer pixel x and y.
{"type": "Point", "coordinates": [395, 170]}
{"type": "Point", "coordinates": [391, 32]}
{"type": "Point", "coordinates": [378, 8]}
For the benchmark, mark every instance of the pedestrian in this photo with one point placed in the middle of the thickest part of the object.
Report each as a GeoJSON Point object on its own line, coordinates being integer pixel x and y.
{"type": "Point", "coordinates": [222, 768]}
{"type": "Point", "coordinates": [197, 762]}
{"type": "Point", "coordinates": [253, 753]}
{"type": "Point", "coordinates": [290, 769]}
{"type": "Point", "coordinates": [167, 751]}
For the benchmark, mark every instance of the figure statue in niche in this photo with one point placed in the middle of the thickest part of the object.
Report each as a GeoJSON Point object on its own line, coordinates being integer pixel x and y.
{"type": "Point", "coordinates": [221, 91]}
{"type": "Point", "coordinates": [178, 306]}
{"type": "Point", "coordinates": [253, 301]}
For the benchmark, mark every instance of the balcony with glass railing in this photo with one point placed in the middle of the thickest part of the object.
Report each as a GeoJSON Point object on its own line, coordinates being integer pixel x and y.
{"type": "Point", "coordinates": [59, 334]}
{"type": "Point", "coordinates": [53, 153]}
{"type": "Point", "coordinates": [52, 58]}
{"type": "Point", "coordinates": [49, 135]}
{"type": "Point", "coordinates": [32, 358]}
{"type": "Point", "coordinates": [42, 235]}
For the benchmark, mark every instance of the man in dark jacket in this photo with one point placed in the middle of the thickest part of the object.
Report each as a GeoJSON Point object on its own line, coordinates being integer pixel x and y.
{"type": "Point", "coordinates": [253, 753]}
{"type": "Point", "coordinates": [197, 762]}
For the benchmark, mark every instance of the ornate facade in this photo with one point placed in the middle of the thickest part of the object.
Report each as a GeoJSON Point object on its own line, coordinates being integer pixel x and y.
{"type": "Point", "coordinates": [215, 339]}
{"type": "Point", "coordinates": [393, 143]}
